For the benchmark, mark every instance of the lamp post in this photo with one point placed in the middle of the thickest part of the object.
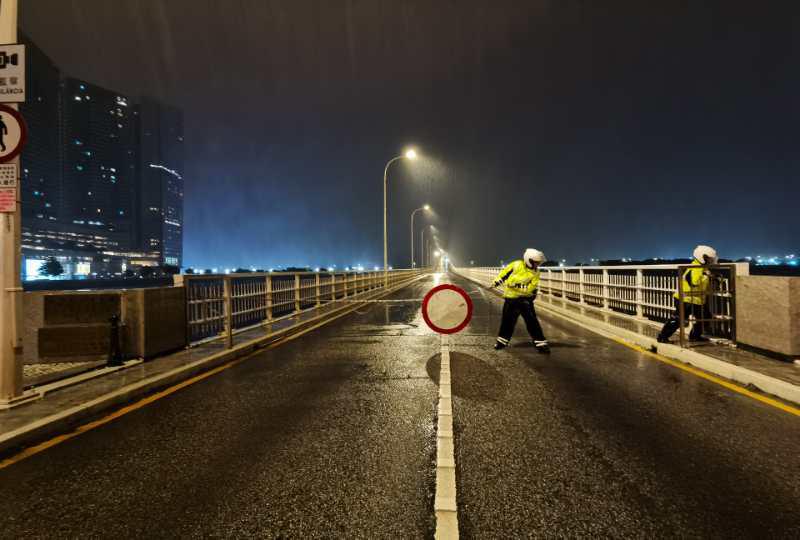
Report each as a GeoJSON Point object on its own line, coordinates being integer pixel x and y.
{"type": "Point", "coordinates": [10, 285]}
{"type": "Point", "coordinates": [412, 155]}
{"type": "Point", "coordinates": [427, 207]}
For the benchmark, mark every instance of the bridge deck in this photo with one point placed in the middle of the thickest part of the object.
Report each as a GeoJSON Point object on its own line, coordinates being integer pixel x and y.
{"type": "Point", "coordinates": [333, 434]}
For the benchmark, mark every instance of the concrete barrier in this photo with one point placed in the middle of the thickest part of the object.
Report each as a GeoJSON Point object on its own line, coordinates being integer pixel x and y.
{"type": "Point", "coordinates": [68, 325]}
{"type": "Point", "coordinates": [74, 326]}
{"type": "Point", "coordinates": [768, 313]}
{"type": "Point", "coordinates": [157, 321]}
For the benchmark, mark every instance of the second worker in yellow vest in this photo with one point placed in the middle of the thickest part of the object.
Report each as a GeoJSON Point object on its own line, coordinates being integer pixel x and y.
{"type": "Point", "coordinates": [695, 286]}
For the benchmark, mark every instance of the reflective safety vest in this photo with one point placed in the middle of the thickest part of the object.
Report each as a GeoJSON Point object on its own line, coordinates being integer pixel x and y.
{"type": "Point", "coordinates": [695, 284]}
{"type": "Point", "coordinates": [519, 280]}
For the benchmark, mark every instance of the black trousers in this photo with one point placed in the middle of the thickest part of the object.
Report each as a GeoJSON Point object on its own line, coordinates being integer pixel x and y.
{"type": "Point", "coordinates": [699, 312]}
{"type": "Point", "coordinates": [512, 309]}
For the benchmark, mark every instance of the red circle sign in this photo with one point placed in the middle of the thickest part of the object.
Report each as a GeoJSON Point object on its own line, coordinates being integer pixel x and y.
{"type": "Point", "coordinates": [13, 133]}
{"type": "Point", "coordinates": [447, 309]}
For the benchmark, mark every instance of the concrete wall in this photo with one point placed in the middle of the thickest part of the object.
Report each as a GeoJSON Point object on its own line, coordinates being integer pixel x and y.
{"type": "Point", "coordinates": [157, 320]}
{"type": "Point", "coordinates": [768, 313]}
{"type": "Point", "coordinates": [67, 326]}
{"type": "Point", "coordinates": [74, 326]}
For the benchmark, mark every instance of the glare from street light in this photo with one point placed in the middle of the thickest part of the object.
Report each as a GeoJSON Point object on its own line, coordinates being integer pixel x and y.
{"type": "Point", "coordinates": [436, 253]}
{"type": "Point", "coordinates": [427, 207]}
{"type": "Point", "coordinates": [411, 154]}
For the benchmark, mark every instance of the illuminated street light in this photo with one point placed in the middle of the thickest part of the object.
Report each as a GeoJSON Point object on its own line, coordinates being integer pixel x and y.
{"type": "Point", "coordinates": [410, 154]}
{"type": "Point", "coordinates": [427, 208]}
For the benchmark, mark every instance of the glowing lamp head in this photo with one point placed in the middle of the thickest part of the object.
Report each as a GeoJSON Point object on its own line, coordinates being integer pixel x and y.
{"type": "Point", "coordinates": [427, 207]}
{"type": "Point", "coordinates": [411, 154]}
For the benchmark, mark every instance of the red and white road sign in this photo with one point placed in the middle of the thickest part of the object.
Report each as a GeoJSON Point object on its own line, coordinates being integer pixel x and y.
{"type": "Point", "coordinates": [13, 133]}
{"type": "Point", "coordinates": [447, 309]}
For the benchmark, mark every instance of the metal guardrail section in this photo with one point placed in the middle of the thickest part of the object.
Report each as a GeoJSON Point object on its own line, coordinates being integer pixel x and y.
{"type": "Point", "coordinates": [248, 300]}
{"type": "Point", "coordinates": [640, 292]}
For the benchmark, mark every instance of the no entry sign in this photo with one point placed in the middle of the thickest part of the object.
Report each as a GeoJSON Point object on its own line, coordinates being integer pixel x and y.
{"type": "Point", "coordinates": [13, 133]}
{"type": "Point", "coordinates": [447, 309]}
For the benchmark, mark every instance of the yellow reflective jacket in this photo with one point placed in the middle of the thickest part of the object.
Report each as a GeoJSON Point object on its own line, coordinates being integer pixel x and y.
{"type": "Point", "coordinates": [519, 280]}
{"type": "Point", "coordinates": [695, 284]}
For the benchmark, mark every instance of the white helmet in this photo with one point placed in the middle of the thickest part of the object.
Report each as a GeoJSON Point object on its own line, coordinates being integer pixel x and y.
{"type": "Point", "coordinates": [532, 256]}
{"type": "Point", "coordinates": [705, 254]}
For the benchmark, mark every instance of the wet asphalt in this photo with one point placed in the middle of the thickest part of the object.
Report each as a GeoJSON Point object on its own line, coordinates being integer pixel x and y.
{"type": "Point", "coordinates": [332, 435]}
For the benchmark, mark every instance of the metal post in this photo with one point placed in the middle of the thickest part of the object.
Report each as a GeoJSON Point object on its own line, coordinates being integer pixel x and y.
{"type": "Point", "coordinates": [605, 289]}
{"type": "Point", "coordinates": [333, 286]}
{"type": "Point", "coordinates": [227, 298]}
{"type": "Point", "coordinates": [319, 298]}
{"type": "Point", "coordinates": [580, 285]}
{"type": "Point", "coordinates": [270, 302]}
{"type": "Point", "coordinates": [639, 293]}
{"type": "Point", "coordinates": [115, 345]}
{"type": "Point", "coordinates": [297, 292]}
{"type": "Point", "coordinates": [422, 247]}
{"type": "Point", "coordinates": [10, 284]}
{"type": "Point", "coordinates": [681, 310]}
{"type": "Point", "coordinates": [413, 264]}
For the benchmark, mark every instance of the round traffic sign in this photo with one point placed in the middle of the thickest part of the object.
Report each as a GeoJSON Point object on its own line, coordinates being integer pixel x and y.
{"type": "Point", "coordinates": [447, 309]}
{"type": "Point", "coordinates": [13, 133]}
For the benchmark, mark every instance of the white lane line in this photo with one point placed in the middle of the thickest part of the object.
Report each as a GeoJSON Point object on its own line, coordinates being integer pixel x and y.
{"type": "Point", "coordinates": [445, 500]}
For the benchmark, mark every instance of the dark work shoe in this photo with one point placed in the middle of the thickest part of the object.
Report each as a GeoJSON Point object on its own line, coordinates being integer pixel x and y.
{"type": "Point", "coordinates": [698, 339]}
{"type": "Point", "coordinates": [498, 346]}
{"type": "Point", "coordinates": [662, 339]}
{"type": "Point", "coordinates": [543, 347]}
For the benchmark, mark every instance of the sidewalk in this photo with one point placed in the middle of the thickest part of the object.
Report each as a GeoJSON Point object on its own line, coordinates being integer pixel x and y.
{"type": "Point", "coordinates": [77, 399]}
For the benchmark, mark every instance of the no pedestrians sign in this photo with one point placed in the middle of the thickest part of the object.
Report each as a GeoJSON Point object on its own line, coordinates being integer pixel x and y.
{"type": "Point", "coordinates": [13, 133]}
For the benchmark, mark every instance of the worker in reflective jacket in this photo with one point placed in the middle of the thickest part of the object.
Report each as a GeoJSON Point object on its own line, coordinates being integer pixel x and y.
{"type": "Point", "coordinates": [695, 285]}
{"type": "Point", "coordinates": [521, 281]}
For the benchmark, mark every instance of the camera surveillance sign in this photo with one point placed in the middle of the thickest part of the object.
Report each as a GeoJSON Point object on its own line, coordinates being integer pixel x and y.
{"type": "Point", "coordinates": [12, 73]}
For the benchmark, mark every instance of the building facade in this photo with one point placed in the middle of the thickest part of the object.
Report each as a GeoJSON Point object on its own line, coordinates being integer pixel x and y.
{"type": "Point", "coordinates": [102, 189]}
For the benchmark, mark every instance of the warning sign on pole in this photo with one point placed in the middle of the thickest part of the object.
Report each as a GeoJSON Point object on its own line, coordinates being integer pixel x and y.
{"type": "Point", "coordinates": [447, 309]}
{"type": "Point", "coordinates": [13, 133]}
{"type": "Point", "coordinates": [8, 187]}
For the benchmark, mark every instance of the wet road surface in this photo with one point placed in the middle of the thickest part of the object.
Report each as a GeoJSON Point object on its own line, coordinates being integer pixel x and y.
{"type": "Point", "coordinates": [333, 435]}
{"type": "Point", "coordinates": [600, 440]}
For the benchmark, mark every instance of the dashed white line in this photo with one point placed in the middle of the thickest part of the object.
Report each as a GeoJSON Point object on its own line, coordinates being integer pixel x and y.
{"type": "Point", "coordinates": [445, 500]}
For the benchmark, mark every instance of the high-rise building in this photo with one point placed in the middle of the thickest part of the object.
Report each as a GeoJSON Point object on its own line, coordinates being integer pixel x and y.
{"type": "Point", "coordinates": [161, 181]}
{"type": "Point", "coordinates": [99, 165]}
{"type": "Point", "coordinates": [101, 183]}
{"type": "Point", "coordinates": [41, 161]}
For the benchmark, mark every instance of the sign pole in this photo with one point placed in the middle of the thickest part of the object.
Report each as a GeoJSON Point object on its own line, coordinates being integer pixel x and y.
{"type": "Point", "coordinates": [10, 283]}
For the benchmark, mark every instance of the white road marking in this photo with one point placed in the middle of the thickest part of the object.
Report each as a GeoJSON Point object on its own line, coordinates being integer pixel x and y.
{"type": "Point", "coordinates": [445, 500]}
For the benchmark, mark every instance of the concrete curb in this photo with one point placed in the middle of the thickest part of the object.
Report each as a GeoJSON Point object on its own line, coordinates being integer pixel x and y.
{"type": "Point", "coordinates": [68, 419]}
{"type": "Point", "coordinates": [742, 376]}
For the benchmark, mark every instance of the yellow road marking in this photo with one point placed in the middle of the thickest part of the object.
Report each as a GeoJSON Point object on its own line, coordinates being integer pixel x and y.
{"type": "Point", "coordinates": [702, 374]}
{"type": "Point", "coordinates": [41, 447]}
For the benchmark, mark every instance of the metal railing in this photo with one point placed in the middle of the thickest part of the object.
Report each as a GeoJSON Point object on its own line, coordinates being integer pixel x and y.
{"type": "Point", "coordinates": [218, 306]}
{"type": "Point", "coordinates": [645, 293]}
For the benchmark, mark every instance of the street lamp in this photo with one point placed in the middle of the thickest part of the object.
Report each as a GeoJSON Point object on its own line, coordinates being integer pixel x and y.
{"type": "Point", "coordinates": [409, 154]}
{"type": "Point", "coordinates": [427, 208]}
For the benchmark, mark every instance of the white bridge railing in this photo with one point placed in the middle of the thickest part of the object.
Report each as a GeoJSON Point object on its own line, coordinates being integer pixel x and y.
{"type": "Point", "coordinates": [221, 305]}
{"type": "Point", "coordinates": [641, 292]}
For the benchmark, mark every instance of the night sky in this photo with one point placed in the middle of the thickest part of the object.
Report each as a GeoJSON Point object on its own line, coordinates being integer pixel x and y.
{"type": "Point", "coordinates": [601, 129]}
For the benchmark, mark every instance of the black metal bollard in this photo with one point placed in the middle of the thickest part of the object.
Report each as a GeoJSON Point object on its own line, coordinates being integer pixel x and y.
{"type": "Point", "coordinates": [115, 347]}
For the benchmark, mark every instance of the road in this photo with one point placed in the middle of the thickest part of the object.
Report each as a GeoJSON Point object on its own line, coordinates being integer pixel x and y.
{"type": "Point", "coordinates": [332, 435]}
